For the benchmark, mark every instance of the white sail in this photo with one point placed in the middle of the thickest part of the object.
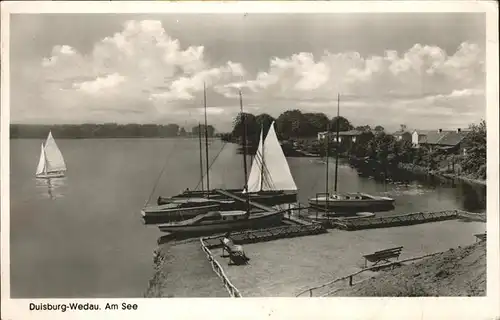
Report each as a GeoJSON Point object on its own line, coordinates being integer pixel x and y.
{"type": "Point", "coordinates": [54, 158]}
{"type": "Point", "coordinates": [255, 177]}
{"type": "Point", "coordinates": [41, 163]}
{"type": "Point", "coordinates": [277, 175]}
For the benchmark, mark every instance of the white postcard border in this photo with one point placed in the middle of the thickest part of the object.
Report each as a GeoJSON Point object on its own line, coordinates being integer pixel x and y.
{"type": "Point", "coordinates": [276, 308]}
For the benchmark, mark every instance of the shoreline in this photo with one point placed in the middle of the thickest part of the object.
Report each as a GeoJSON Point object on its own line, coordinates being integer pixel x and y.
{"type": "Point", "coordinates": [169, 280]}
{"type": "Point", "coordinates": [421, 170]}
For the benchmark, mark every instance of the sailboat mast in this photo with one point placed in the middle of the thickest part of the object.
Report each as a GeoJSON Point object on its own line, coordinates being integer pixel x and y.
{"type": "Point", "coordinates": [201, 157]}
{"type": "Point", "coordinates": [338, 143]}
{"type": "Point", "coordinates": [327, 143]}
{"type": "Point", "coordinates": [245, 188]}
{"type": "Point", "coordinates": [262, 164]}
{"type": "Point", "coordinates": [244, 142]}
{"type": "Point", "coordinates": [44, 161]}
{"type": "Point", "coordinates": [206, 135]}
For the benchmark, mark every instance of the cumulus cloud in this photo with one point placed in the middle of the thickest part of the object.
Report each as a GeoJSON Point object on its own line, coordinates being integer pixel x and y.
{"type": "Point", "coordinates": [421, 70]}
{"type": "Point", "coordinates": [143, 72]}
{"type": "Point", "coordinates": [142, 62]}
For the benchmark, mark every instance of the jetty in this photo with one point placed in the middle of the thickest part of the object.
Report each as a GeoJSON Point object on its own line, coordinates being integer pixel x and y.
{"type": "Point", "coordinates": [408, 219]}
{"type": "Point", "coordinates": [268, 234]}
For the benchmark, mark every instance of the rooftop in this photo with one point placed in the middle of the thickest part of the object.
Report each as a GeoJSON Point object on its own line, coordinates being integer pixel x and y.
{"type": "Point", "coordinates": [446, 138]}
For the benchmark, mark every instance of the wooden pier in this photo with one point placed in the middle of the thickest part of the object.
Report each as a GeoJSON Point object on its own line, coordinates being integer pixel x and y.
{"type": "Point", "coordinates": [394, 221]}
{"type": "Point", "coordinates": [269, 234]}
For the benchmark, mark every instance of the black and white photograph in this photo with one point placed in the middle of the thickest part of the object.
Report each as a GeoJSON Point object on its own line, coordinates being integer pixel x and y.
{"type": "Point", "coordinates": [239, 153]}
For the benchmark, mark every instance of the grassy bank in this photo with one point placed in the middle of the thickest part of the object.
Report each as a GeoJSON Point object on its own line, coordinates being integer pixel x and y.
{"type": "Point", "coordinates": [441, 172]}
{"type": "Point", "coordinates": [457, 272]}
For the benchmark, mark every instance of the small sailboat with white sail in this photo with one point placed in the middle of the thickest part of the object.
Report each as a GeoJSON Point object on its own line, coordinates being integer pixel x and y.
{"type": "Point", "coordinates": [219, 221]}
{"type": "Point", "coordinates": [270, 181]}
{"type": "Point", "coordinates": [270, 178]}
{"type": "Point", "coordinates": [51, 163]}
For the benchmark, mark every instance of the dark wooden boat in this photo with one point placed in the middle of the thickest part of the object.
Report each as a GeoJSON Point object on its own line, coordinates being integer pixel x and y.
{"type": "Point", "coordinates": [181, 209]}
{"type": "Point", "coordinates": [221, 221]}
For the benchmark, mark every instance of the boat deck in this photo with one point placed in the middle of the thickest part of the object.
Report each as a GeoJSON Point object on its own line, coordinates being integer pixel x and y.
{"type": "Point", "coordinates": [238, 198]}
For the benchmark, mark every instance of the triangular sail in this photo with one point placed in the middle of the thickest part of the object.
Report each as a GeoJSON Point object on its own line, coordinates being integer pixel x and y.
{"type": "Point", "coordinates": [41, 163]}
{"type": "Point", "coordinates": [277, 175]}
{"type": "Point", "coordinates": [54, 157]}
{"type": "Point", "coordinates": [255, 176]}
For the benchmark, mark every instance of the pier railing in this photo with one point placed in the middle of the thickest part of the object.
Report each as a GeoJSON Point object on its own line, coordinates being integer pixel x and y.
{"type": "Point", "coordinates": [393, 221]}
{"type": "Point", "coordinates": [233, 291]}
{"type": "Point", "coordinates": [337, 284]}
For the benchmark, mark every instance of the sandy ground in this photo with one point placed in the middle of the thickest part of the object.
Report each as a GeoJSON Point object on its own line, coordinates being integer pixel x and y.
{"type": "Point", "coordinates": [458, 272]}
{"type": "Point", "coordinates": [287, 266]}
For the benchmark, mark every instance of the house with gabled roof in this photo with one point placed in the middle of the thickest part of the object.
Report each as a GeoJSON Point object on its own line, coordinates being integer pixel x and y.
{"type": "Point", "coordinates": [449, 141]}
{"type": "Point", "coordinates": [402, 135]}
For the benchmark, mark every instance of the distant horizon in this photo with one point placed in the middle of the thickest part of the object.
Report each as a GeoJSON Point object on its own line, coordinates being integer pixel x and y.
{"type": "Point", "coordinates": [387, 129]}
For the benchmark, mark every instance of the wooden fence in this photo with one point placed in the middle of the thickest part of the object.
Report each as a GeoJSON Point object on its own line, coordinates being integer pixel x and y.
{"type": "Point", "coordinates": [233, 291]}
{"type": "Point", "coordinates": [269, 234]}
{"type": "Point", "coordinates": [333, 286]}
{"type": "Point", "coordinates": [394, 221]}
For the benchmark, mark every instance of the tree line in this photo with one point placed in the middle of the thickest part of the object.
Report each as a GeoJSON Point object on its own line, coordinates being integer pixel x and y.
{"type": "Point", "coordinates": [290, 125]}
{"type": "Point", "coordinates": [106, 130]}
{"type": "Point", "coordinates": [374, 148]}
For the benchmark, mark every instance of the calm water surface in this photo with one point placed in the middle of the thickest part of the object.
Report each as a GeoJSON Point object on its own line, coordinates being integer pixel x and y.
{"type": "Point", "coordinates": [82, 236]}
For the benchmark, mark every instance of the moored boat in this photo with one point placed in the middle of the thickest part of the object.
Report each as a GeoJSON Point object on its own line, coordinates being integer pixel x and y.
{"type": "Point", "coordinates": [349, 200]}
{"type": "Point", "coordinates": [270, 181]}
{"type": "Point", "coordinates": [181, 209]}
{"type": "Point", "coordinates": [220, 221]}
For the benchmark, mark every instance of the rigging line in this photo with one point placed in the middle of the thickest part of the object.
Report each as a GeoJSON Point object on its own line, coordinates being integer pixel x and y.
{"type": "Point", "coordinates": [265, 169]}
{"type": "Point", "coordinates": [213, 161]}
{"type": "Point", "coordinates": [167, 161]}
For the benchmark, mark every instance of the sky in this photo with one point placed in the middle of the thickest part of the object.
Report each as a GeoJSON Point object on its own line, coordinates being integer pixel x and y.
{"type": "Point", "coordinates": [424, 70]}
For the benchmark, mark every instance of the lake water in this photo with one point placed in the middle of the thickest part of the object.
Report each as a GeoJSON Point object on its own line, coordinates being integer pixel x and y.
{"type": "Point", "coordinates": [82, 236]}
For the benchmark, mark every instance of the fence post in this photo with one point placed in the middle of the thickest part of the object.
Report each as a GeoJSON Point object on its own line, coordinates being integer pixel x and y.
{"type": "Point", "coordinates": [350, 281]}
{"type": "Point", "coordinates": [310, 292]}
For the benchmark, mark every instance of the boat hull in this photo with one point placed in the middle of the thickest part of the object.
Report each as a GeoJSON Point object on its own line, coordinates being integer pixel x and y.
{"type": "Point", "coordinates": [50, 175]}
{"type": "Point", "coordinates": [175, 214]}
{"type": "Point", "coordinates": [269, 198]}
{"type": "Point", "coordinates": [268, 220]}
{"type": "Point", "coordinates": [350, 203]}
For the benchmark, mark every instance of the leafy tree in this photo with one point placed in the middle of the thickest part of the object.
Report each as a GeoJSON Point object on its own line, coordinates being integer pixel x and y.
{"type": "Point", "coordinates": [263, 121]}
{"type": "Point", "coordinates": [182, 132]}
{"type": "Point", "coordinates": [252, 127]}
{"type": "Point", "coordinates": [379, 129]}
{"type": "Point", "coordinates": [315, 122]}
{"type": "Point", "coordinates": [210, 130]}
{"type": "Point", "coordinates": [291, 124]}
{"type": "Point", "coordinates": [344, 124]}
{"type": "Point", "coordinates": [474, 161]}
{"type": "Point", "coordinates": [363, 128]}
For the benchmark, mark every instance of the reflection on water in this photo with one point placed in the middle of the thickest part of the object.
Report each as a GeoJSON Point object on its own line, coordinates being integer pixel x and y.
{"type": "Point", "coordinates": [471, 197]}
{"type": "Point", "coordinates": [51, 188]}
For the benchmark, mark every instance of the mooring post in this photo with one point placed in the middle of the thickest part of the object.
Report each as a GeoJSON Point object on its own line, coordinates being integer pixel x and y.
{"type": "Point", "coordinates": [350, 281]}
{"type": "Point", "coordinates": [310, 292]}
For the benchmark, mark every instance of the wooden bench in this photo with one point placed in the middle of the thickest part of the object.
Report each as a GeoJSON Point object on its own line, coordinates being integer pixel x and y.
{"type": "Point", "coordinates": [383, 255]}
{"type": "Point", "coordinates": [480, 237]}
{"type": "Point", "coordinates": [237, 257]}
